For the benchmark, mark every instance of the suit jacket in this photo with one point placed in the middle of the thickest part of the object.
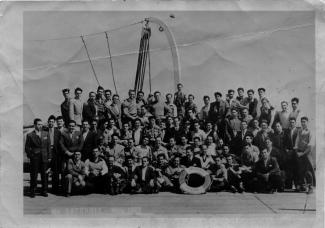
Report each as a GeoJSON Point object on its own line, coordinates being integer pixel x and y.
{"type": "Point", "coordinates": [89, 111]}
{"type": "Point", "coordinates": [88, 144]}
{"type": "Point", "coordinates": [56, 152]}
{"type": "Point", "coordinates": [71, 144]}
{"type": "Point", "coordinates": [75, 110]}
{"type": "Point", "coordinates": [271, 167]}
{"type": "Point", "coordinates": [195, 161]}
{"type": "Point", "coordinates": [149, 175]}
{"type": "Point", "coordinates": [237, 143]}
{"type": "Point", "coordinates": [38, 145]}
{"type": "Point", "coordinates": [115, 113]}
{"type": "Point", "coordinates": [220, 112]}
{"type": "Point", "coordinates": [289, 143]}
{"type": "Point", "coordinates": [65, 111]}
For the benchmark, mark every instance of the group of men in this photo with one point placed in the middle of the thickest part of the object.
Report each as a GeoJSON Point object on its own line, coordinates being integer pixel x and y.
{"type": "Point", "coordinates": [143, 145]}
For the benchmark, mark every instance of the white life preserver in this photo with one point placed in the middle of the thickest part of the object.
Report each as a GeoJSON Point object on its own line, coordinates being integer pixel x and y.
{"type": "Point", "coordinates": [194, 190]}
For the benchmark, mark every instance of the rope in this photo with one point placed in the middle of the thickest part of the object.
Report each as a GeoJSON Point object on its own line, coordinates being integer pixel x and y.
{"type": "Point", "coordinates": [149, 65]}
{"type": "Point", "coordinates": [92, 67]}
{"type": "Point", "coordinates": [110, 58]}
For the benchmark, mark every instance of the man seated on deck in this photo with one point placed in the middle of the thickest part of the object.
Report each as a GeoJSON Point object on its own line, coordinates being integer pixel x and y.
{"type": "Point", "coordinates": [190, 159]}
{"type": "Point", "coordinates": [76, 172]}
{"type": "Point", "coordinates": [267, 174]}
{"type": "Point", "coordinates": [116, 177]}
{"type": "Point", "coordinates": [173, 173]}
{"type": "Point", "coordinates": [96, 172]}
{"type": "Point", "coordinates": [144, 178]}
{"type": "Point", "coordinates": [218, 174]}
{"type": "Point", "coordinates": [234, 175]}
{"type": "Point", "coordinates": [161, 167]}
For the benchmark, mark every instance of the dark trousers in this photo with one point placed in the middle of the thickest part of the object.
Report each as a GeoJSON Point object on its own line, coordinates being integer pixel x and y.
{"type": "Point", "coordinates": [234, 180]}
{"type": "Point", "coordinates": [97, 184]}
{"type": "Point", "coordinates": [56, 166]}
{"type": "Point", "coordinates": [274, 182]}
{"type": "Point", "coordinates": [115, 185]}
{"type": "Point", "coordinates": [144, 187]}
{"type": "Point", "coordinates": [290, 169]}
{"type": "Point", "coordinates": [304, 171]}
{"type": "Point", "coordinates": [37, 166]}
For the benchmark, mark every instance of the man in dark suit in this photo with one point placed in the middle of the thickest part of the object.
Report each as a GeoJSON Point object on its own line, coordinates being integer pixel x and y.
{"type": "Point", "coordinates": [190, 160]}
{"type": "Point", "coordinates": [144, 178]}
{"type": "Point", "coordinates": [56, 165]}
{"type": "Point", "coordinates": [238, 142]}
{"type": "Point", "coordinates": [219, 110]}
{"type": "Point", "coordinates": [268, 175]}
{"type": "Point", "coordinates": [38, 150]}
{"type": "Point", "coordinates": [89, 110]}
{"type": "Point", "coordinates": [89, 141]}
{"type": "Point", "coordinates": [290, 136]}
{"type": "Point", "coordinates": [115, 110]}
{"type": "Point", "coordinates": [70, 142]}
{"type": "Point", "coordinates": [65, 106]}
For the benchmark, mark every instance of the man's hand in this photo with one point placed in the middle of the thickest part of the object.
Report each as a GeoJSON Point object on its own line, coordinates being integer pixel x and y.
{"type": "Point", "coordinates": [133, 183]}
{"type": "Point", "coordinates": [299, 154]}
{"type": "Point", "coordinates": [151, 183]}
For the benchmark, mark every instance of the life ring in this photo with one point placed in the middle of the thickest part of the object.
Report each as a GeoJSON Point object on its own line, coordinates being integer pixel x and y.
{"type": "Point", "coordinates": [183, 181]}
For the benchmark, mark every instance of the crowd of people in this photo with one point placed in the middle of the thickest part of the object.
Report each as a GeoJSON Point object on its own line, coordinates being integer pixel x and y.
{"type": "Point", "coordinates": [142, 145]}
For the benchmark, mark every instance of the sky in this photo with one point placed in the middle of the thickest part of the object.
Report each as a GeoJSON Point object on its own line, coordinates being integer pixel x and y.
{"type": "Point", "coordinates": [218, 51]}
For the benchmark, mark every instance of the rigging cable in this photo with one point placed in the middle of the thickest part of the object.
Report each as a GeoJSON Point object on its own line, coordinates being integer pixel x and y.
{"type": "Point", "coordinates": [110, 58]}
{"type": "Point", "coordinates": [92, 67]}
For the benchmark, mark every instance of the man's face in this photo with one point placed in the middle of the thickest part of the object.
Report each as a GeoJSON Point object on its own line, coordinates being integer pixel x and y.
{"type": "Point", "coordinates": [234, 113]}
{"type": "Point", "coordinates": [51, 123]}
{"type": "Point", "coordinates": [184, 140]}
{"type": "Point", "coordinates": [126, 127]}
{"type": "Point", "coordinates": [245, 112]}
{"type": "Point", "coordinates": [162, 125]}
{"type": "Point", "coordinates": [278, 127]}
{"type": "Point", "coordinates": [246, 148]}
{"type": "Point", "coordinates": [220, 142]}
{"type": "Point", "coordinates": [114, 139]}
{"type": "Point", "coordinates": [206, 101]}
{"type": "Point", "coordinates": [284, 106]}
{"type": "Point", "coordinates": [190, 99]}
{"type": "Point", "coordinates": [265, 154]}
{"type": "Point", "coordinates": [94, 125]}
{"type": "Point", "coordinates": [179, 87]}
{"type": "Point", "coordinates": [158, 141]}
{"type": "Point", "coordinates": [85, 126]}
{"type": "Point", "coordinates": [66, 95]}
{"type": "Point", "coordinates": [108, 95]}
{"type": "Point", "coordinates": [240, 93]}
{"type": "Point", "coordinates": [196, 142]}
{"type": "Point", "coordinates": [78, 94]}
{"type": "Point", "coordinates": [129, 162]}
{"type": "Point", "coordinates": [256, 123]}
{"type": "Point", "coordinates": [261, 93]}
{"type": "Point", "coordinates": [60, 122]}
{"type": "Point", "coordinates": [145, 162]}
{"type": "Point", "coordinates": [172, 142]}
{"type": "Point", "coordinates": [110, 161]}
{"type": "Point", "coordinates": [176, 161]}
{"type": "Point", "coordinates": [229, 160]}
{"type": "Point", "coordinates": [304, 123]}
{"type": "Point", "coordinates": [160, 160]}
{"type": "Point", "coordinates": [218, 97]}
{"type": "Point", "coordinates": [170, 121]}
{"type": "Point", "coordinates": [243, 126]}
{"type": "Point", "coordinates": [157, 96]}
{"type": "Point", "coordinates": [209, 126]}
{"type": "Point", "coordinates": [145, 141]}
{"type": "Point", "coordinates": [169, 98]}
{"type": "Point", "coordinates": [152, 121]}
{"type": "Point", "coordinates": [189, 153]}
{"type": "Point", "coordinates": [196, 126]}
{"type": "Point", "coordinates": [268, 143]}
{"type": "Point", "coordinates": [143, 110]}
{"type": "Point", "coordinates": [264, 126]}
{"type": "Point", "coordinates": [250, 95]}
{"type": "Point", "coordinates": [210, 140]}
{"type": "Point", "coordinates": [72, 127]}
{"type": "Point", "coordinates": [226, 149]}
{"type": "Point", "coordinates": [292, 123]}
{"type": "Point", "coordinates": [204, 149]}
{"type": "Point", "coordinates": [38, 125]}
{"type": "Point", "coordinates": [294, 105]}
{"type": "Point", "coordinates": [231, 95]}
{"type": "Point", "coordinates": [77, 156]}
{"type": "Point", "coordinates": [248, 139]}
{"type": "Point", "coordinates": [130, 143]}
{"type": "Point", "coordinates": [100, 92]}
{"type": "Point", "coordinates": [95, 153]}
{"type": "Point", "coordinates": [137, 124]}
{"type": "Point", "coordinates": [115, 99]}
{"type": "Point", "coordinates": [140, 96]}
{"type": "Point", "coordinates": [131, 95]}
{"type": "Point", "coordinates": [218, 161]}
{"type": "Point", "coordinates": [111, 123]}
{"type": "Point", "coordinates": [190, 113]}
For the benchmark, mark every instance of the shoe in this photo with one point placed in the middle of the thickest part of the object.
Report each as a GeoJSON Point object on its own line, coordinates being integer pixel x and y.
{"type": "Point", "coordinates": [32, 195]}
{"type": "Point", "coordinates": [241, 188]}
{"type": "Point", "coordinates": [310, 190]}
{"type": "Point", "coordinates": [232, 189]}
{"type": "Point", "coordinates": [45, 194]}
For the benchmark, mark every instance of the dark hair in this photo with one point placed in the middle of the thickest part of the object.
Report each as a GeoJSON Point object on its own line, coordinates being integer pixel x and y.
{"type": "Point", "coordinates": [259, 89]}
{"type": "Point", "coordinates": [169, 94]}
{"type": "Point", "coordinates": [206, 97]}
{"type": "Point", "coordinates": [100, 88]}
{"type": "Point", "coordinates": [51, 117]}
{"type": "Point", "coordinates": [66, 90]}
{"type": "Point", "coordinates": [59, 118]}
{"type": "Point", "coordinates": [249, 134]}
{"type": "Point", "coordinates": [197, 137]}
{"type": "Point", "coordinates": [191, 95]}
{"type": "Point", "coordinates": [85, 120]}
{"type": "Point", "coordinates": [161, 155]}
{"type": "Point", "coordinates": [304, 118]}
{"type": "Point", "coordinates": [292, 118]}
{"type": "Point", "coordinates": [72, 121]}
{"type": "Point", "coordinates": [231, 90]}
{"type": "Point", "coordinates": [108, 90]}
{"type": "Point", "coordinates": [179, 84]}
{"type": "Point", "coordinates": [296, 99]}
{"type": "Point", "coordinates": [156, 92]}
{"type": "Point", "coordinates": [92, 92]}
{"type": "Point", "coordinates": [78, 89]}
{"type": "Point", "coordinates": [131, 90]}
{"type": "Point", "coordinates": [115, 134]}
{"type": "Point", "coordinates": [240, 88]}
{"type": "Point", "coordinates": [250, 91]}
{"type": "Point", "coordinates": [218, 93]}
{"type": "Point", "coordinates": [36, 120]}
{"type": "Point", "coordinates": [116, 95]}
{"type": "Point", "coordinates": [140, 92]}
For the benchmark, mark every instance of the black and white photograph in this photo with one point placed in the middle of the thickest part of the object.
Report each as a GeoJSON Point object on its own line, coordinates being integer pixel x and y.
{"type": "Point", "coordinates": [174, 113]}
